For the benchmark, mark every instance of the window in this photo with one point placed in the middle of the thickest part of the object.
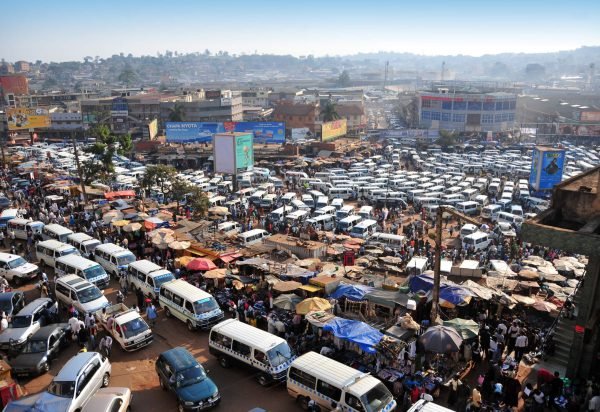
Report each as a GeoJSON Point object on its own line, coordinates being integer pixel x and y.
{"type": "Point", "coordinates": [459, 105]}
{"type": "Point", "coordinates": [353, 402]}
{"type": "Point", "coordinates": [498, 105]}
{"type": "Point", "coordinates": [116, 405]}
{"type": "Point", "coordinates": [487, 118]}
{"type": "Point", "coordinates": [488, 106]}
{"type": "Point", "coordinates": [62, 290]}
{"type": "Point", "coordinates": [447, 105]}
{"type": "Point", "coordinates": [435, 115]}
{"type": "Point", "coordinates": [445, 117]}
{"type": "Point", "coordinates": [505, 105]}
{"type": "Point", "coordinates": [426, 115]}
{"type": "Point", "coordinates": [241, 348]}
{"type": "Point", "coordinates": [189, 307]}
{"type": "Point", "coordinates": [260, 356]}
{"type": "Point", "coordinates": [498, 118]}
{"type": "Point", "coordinates": [177, 300]}
{"type": "Point", "coordinates": [474, 105]}
{"type": "Point", "coordinates": [304, 378]}
{"type": "Point", "coordinates": [458, 118]}
{"type": "Point", "coordinates": [512, 105]}
{"type": "Point", "coordinates": [329, 390]}
{"type": "Point", "coordinates": [426, 103]}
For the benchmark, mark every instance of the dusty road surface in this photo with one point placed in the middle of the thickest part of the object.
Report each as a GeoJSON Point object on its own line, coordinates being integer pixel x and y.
{"type": "Point", "coordinates": [239, 388]}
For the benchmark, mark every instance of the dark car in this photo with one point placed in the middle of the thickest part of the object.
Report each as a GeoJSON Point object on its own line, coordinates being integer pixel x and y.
{"type": "Point", "coordinates": [40, 350]}
{"type": "Point", "coordinates": [11, 302]}
{"type": "Point", "coordinates": [4, 202]}
{"type": "Point", "coordinates": [178, 371]}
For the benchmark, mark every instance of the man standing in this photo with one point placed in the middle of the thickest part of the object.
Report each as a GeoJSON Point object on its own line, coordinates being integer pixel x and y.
{"type": "Point", "coordinates": [521, 344]}
{"type": "Point", "coordinates": [105, 345]}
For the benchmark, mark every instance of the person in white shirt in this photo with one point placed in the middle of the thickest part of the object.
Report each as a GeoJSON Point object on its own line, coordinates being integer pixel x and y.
{"type": "Point", "coordinates": [521, 344]}
{"type": "Point", "coordinates": [3, 322]}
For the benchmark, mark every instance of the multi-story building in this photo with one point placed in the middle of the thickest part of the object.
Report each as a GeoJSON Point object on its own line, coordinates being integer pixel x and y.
{"type": "Point", "coordinates": [12, 86]}
{"type": "Point", "coordinates": [467, 109]}
{"type": "Point", "coordinates": [256, 98]}
{"type": "Point", "coordinates": [7, 68]}
{"type": "Point", "coordinates": [355, 115]}
{"type": "Point", "coordinates": [298, 116]}
{"type": "Point", "coordinates": [22, 66]}
{"type": "Point", "coordinates": [226, 108]}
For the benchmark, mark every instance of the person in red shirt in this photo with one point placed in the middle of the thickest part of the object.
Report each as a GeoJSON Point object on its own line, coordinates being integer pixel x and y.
{"type": "Point", "coordinates": [544, 376]}
{"type": "Point", "coordinates": [415, 394]}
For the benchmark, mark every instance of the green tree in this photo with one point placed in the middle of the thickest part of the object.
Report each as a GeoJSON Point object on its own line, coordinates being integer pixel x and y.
{"type": "Point", "coordinates": [198, 201]}
{"type": "Point", "coordinates": [177, 113]}
{"type": "Point", "coordinates": [179, 189]}
{"type": "Point", "coordinates": [101, 165]}
{"type": "Point", "coordinates": [127, 76]}
{"type": "Point", "coordinates": [161, 177]}
{"type": "Point", "coordinates": [343, 79]}
{"type": "Point", "coordinates": [447, 138]}
{"type": "Point", "coordinates": [329, 112]}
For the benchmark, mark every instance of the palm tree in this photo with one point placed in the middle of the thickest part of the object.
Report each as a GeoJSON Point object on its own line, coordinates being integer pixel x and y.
{"type": "Point", "coordinates": [177, 113]}
{"type": "Point", "coordinates": [329, 112]}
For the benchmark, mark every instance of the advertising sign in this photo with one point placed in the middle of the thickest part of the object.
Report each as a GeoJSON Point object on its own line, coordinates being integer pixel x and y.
{"type": "Point", "coordinates": [300, 133]}
{"type": "Point", "coordinates": [331, 130]}
{"type": "Point", "coordinates": [26, 118]}
{"type": "Point", "coordinates": [546, 168]}
{"type": "Point", "coordinates": [152, 129]}
{"type": "Point", "coordinates": [244, 153]}
{"type": "Point", "coordinates": [590, 116]}
{"type": "Point", "coordinates": [203, 132]}
{"type": "Point", "coordinates": [224, 152]}
{"type": "Point", "coordinates": [212, 94]}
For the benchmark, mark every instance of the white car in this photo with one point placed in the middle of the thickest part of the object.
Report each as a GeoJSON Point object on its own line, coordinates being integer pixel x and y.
{"type": "Point", "coordinates": [16, 269]}
{"type": "Point", "coordinates": [27, 322]}
{"type": "Point", "coordinates": [110, 400]}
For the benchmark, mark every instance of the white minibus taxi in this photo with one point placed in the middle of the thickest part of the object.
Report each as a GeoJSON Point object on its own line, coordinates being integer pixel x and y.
{"type": "Point", "coordinates": [229, 227]}
{"type": "Point", "coordinates": [322, 222]}
{"type": "Point", "coordinates": [332, 384]}
{"type": "Point", "coordinates": [364, 229]}
{"type": "Point", "coordinates": [22, 226]}
{"type": "Point", "coordinates": [347, 223]}
{"type": "Point", "coordinates": [82, 267]}
{"type": "Point", "coordinates": [49, 250]}
{"type": "Point", "coordinates": [252, 236]}
{"type": "Point", "coordinates": [490, 212]}
{"type": "Point", "coordinates": [509, 218]}
{"type": "Point", "coordinates": [468, 208]}
{"type": "Point", "coordinates": [387, 240]}
{"type": "Point", "coordinates": [148, 277]}
{"type": "Point", "coordinates": [83, 242]}
{"type": "Point", "coordinates": [277, 215]}
{"type": "Point", "coordinates": [477, 240]}
{"type": "Point", "coordinates": [56, 232]}
{"type": "Point", "coordinates": [189, 304]}
{"type": "Point", "coordinates": [113, 258]}
{"type": "Point", "coordinates": [344, 212]}
{"type": "Point", "coordinates": [366, 212]}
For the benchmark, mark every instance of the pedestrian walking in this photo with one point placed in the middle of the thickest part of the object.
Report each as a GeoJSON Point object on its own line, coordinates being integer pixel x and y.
{"type": "Point", "coordinates": [151, 314]}
{"type": "Point", "coordinates": [105, 345]}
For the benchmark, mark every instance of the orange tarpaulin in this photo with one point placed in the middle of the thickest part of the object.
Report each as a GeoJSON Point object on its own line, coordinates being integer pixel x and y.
{"type": "Point", "coordinates": [119, 195]}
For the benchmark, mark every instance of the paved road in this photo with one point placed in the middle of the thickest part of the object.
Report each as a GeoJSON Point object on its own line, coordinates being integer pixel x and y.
{"type": "Point", "coordinates": [238, 386]}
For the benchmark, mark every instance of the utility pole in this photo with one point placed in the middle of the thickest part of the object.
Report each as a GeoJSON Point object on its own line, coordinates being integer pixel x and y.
{"type": "Point", "coordinates": [79, 170]}
{"type": "Point", "coordinates": [435, 293]}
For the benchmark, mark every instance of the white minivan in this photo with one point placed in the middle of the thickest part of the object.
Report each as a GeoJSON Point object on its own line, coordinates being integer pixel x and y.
{"type": "Point", "coordinates": [232, 340]}
{"type": "Point", "coordinates": [49, 250]}
{"type": "Point", "coordinates": [82, 267]}
{"type": "Point", "coordinates": [22, 226]}
{"type": "Point", "coordinates": [113, 258]}
{"type": "Point", "coordinates": [252, 236]}
{"type": "Point", "coordinates": [56, 232]}
{"type": "Point", "coordinates": [15, 269]}
{"type": "Point", "coordinates": [189, 304]}
{"type": "Point", "coordinates": [148, 277]}
{"type": "Point", "coordinates": [490, 212]}
{"type": "Point", "coordinates": [83, 242]}
{"type": "Point", "coordinates": [79, 292]}
{"type": "Point", "coordinates": [477, 240]}
{"type": "Point", "coordinates": [364, 229]}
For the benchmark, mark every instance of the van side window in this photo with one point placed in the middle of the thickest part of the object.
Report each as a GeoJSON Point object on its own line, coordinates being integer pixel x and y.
{"type": "Point", "coordinates": [177, 300]}
{"type": "Point", "coordinates": [220, 339]}
{"type": "Point", "coordinates": [140, 276]}
{"type": "Point", "coordinates": [241, 348]}
{"type": "Point", "coordinates": [62, 289]}
{"type": "Point", "coordinates": [260, 356]}
{"type": "Point", "coordinates": [329, 390]}
{"type": "Point", "coordinates": [189, 307]}
{"type": "Point", "coordinates": [302, 377]}
{"type": "Point", "coordinates": [353, 402]}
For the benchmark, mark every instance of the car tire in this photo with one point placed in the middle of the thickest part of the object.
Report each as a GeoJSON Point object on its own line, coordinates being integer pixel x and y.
{"type": "Point", "coordinates": [263, 380]}
{"type": "Point", "coordinates": [105, 380]}
{"type": "Point", "coordinates": [167, 313]}
{"type": "Point", "coordinates": [190, 326]}
{"type": "Point", "coordinates": [303, 402]}
{"type": "Point", "coordinates": [224, 362]}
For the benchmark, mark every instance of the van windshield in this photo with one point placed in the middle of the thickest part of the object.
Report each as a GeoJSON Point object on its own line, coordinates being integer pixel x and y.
{"type": "Point", "coordinates": [358, 230]}
{"type": "Point", "coordinates": [88, 295]}
{"type": "Point", "coordinates": [69, 252]}
{"type": "Point", "coordinates": [469, 241]}
{"type": "Point", "coordinates": [376, 399]}
{"type": "Point", "coordinates": [205, 305]}
{"type": "Point", "coordinates": [279, 354]}
{"type": "Point", "coordinates": [15, 263]}
{"type": "Point", "coordinates": [134, 327]}
{"type": "Point", "coordinates": [159, 280]}
{"type": "Point", "coordinates": [94, 272]}
{"type": "Point", "coordinates": [126, 259]}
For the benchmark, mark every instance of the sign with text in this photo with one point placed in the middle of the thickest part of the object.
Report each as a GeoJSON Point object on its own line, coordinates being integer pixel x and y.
{"type": "Point", "coordinates": [27, 118]}
{"type": "Point", "coordinates": [203, 132]}
{"type": "Point", "coordinates": [331, 130]}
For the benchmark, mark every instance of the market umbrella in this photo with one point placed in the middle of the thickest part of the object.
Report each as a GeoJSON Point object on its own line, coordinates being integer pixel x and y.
{"type": "Point", "coordinates": [353, 246]}
{"type": "Point", "coordinates": [441, 339]}
{"type": "Point", "coordinates": [544, 306]}
{"type": "Point", "coordinates": [312, 304]}
{"type": "Point", "coordinates": [287, 286]}
{"type": "Point", "coordinates": [467, 328]}
{"type": "Point", "coordinates": [529, 274]}
{"type": "Point", "coordinates": [218, 210]}
{"type": "Point", "coordinates": [120, 223]}
{"type": "Point", "coordinates": [132, 227]}
{"type": "Point", "coordinates": [201, 264]}
{"type": "Point", "coordinates": [162, 231]}
{"type": "Point", "coordinates": [162, 242]}
{"type": "Point", "coordinates": [287, 301]}
{"type": "Point", "coordinates": [184, 260]}
{"type": "Point", "coordinates": [215, 274]}
{"type": "Point", "coordinates": [112, 215]}
{"type": "Point", "coordinates": [179, 245]}
{"type": "Point", "coordinates": [356, 241]}
{"type": "Point", "coordinates": [525, 300]}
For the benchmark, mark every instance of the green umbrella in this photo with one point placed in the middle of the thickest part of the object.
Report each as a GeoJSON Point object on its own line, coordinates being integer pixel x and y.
{"type": "Point", "coordinates": [467, 328]}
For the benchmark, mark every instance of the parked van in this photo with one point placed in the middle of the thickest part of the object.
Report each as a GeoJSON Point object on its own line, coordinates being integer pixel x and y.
{"type": "Point", "coordinates": [79, 292]}
{"type": "Point", "coordinates": [514, 209]}
{"type": "Point", "coordinates": [509, 218]}
{"type": "Point", "coordinates": [189, 304]}
{"type": "Point", "coordinates": [7, 215]}
{"type": "Point", "coordinates": [287, 198]}
{"type": "Point", "coordinates": [256, 197]}
{"type": "Point", "coordinates": [344, 212]}
{"type": "Point", "coordinates": [505, 204]}
{"type": "Point", "coordinates": [337, 203]}
{"type": "Point", "coordinates": [234, 341]}
{"type": "Point", "coordinates": [347, 223]}
{"type": "Point", "coordinates": [322, 222]}
{"type": "Point", "coordinates": [364, 229]}
{"type": "Point", "coordinates": [469, 194]}
{"type": "Point", "coordinates": [252, 236]}
{"type": "Point", "coordinates": [477, 240]}
{"type": "Point", "coordinates": [468, 208]}
{"type": "Point", "coordinates": [490, 212]}
{"type": "Point", "coordinates": [308, 201]}
{"type": "Point", "coordinates": [482, 201]}
{"type": "Point", "coordinates": [277, 215]}
{"type": "Point", "coordinates": [467, 229]}
{"type": "Point", "coordinates": [366, 212]}
{"type": "Point", "coordinates": [387, 240]}
{"type": "Point", "coordinates": [148, 277]}
{"type": "Point", "coordinates": [56, 232]}
{"type": "Point", "coordinates": [341, 193]}
{"type": "Point", "coordinates": [229, 227]}
{"type": "Point", "coordinates": [49, 250]}
{"type": "Point", "coordinates": [327, 210]}
{"type": "Point", "coordinates": [268, 201]}
{"type": "Point", "coordinates": [82, 267]}
{"type": "Point", "coordinates": [321, 202]}
{"type": "Point", "coordinates": [113, 258]}
{"type": "Point", "coordinates": [295, 176]}
{"type": "Point", "coordinates": [332, 384]}
{"type": "Point", "coordinates": [296, 217]}
{"type": "Point", "coordinates": [83, 242]}
{"type": "Point", "coordinates": [22, 226]}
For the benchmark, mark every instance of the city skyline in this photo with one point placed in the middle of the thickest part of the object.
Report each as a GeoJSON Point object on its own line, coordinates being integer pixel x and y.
{"type": "Point", "coordinates": [139, 27]}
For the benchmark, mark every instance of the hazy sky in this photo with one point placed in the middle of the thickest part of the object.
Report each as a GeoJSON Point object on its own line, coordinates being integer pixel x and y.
{"type": "Point", "coordinates": [71, 29]}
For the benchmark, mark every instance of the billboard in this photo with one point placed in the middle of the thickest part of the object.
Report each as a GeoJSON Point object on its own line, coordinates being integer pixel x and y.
{"type": "Point", "coordinates": [331, 130]}
{"type": "Point", "coordinates": [412, 133]}
{"type": "Point", "coordinates": [244, 152]}
{"type": "Point", "coordinates": [152, 129]}
{"type": "Point", "coordinates": [26, 118]}
{"type": "Point", "coordinates": [547, 166]}
{"type": "Point", "coordinates": [233, 153]}
{"type": "Point", "coordinates": [224, 153]}
{"type": "Point", "coordinates": [203, 132]}
{"type": "Point", "coordinates": [590, 116]}
{"type": "Point", "coordinates": [300, 133]}
{"type": "Point", "coordinates": [212, 94]}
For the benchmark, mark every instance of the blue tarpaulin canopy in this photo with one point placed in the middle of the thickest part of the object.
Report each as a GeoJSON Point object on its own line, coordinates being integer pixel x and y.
{"type": "Point", "coordinates": [355, 331]}
{"type": "Point", "coordinates": [455, 294]}
{"type": "Point", "coordinates": [352, 292]}
{"type": "Point", "coordinates": [421, 282]}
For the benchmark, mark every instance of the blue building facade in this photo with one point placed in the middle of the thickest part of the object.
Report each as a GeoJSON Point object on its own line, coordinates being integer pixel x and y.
{"type": "Point", "coordinates": [467, 111]}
